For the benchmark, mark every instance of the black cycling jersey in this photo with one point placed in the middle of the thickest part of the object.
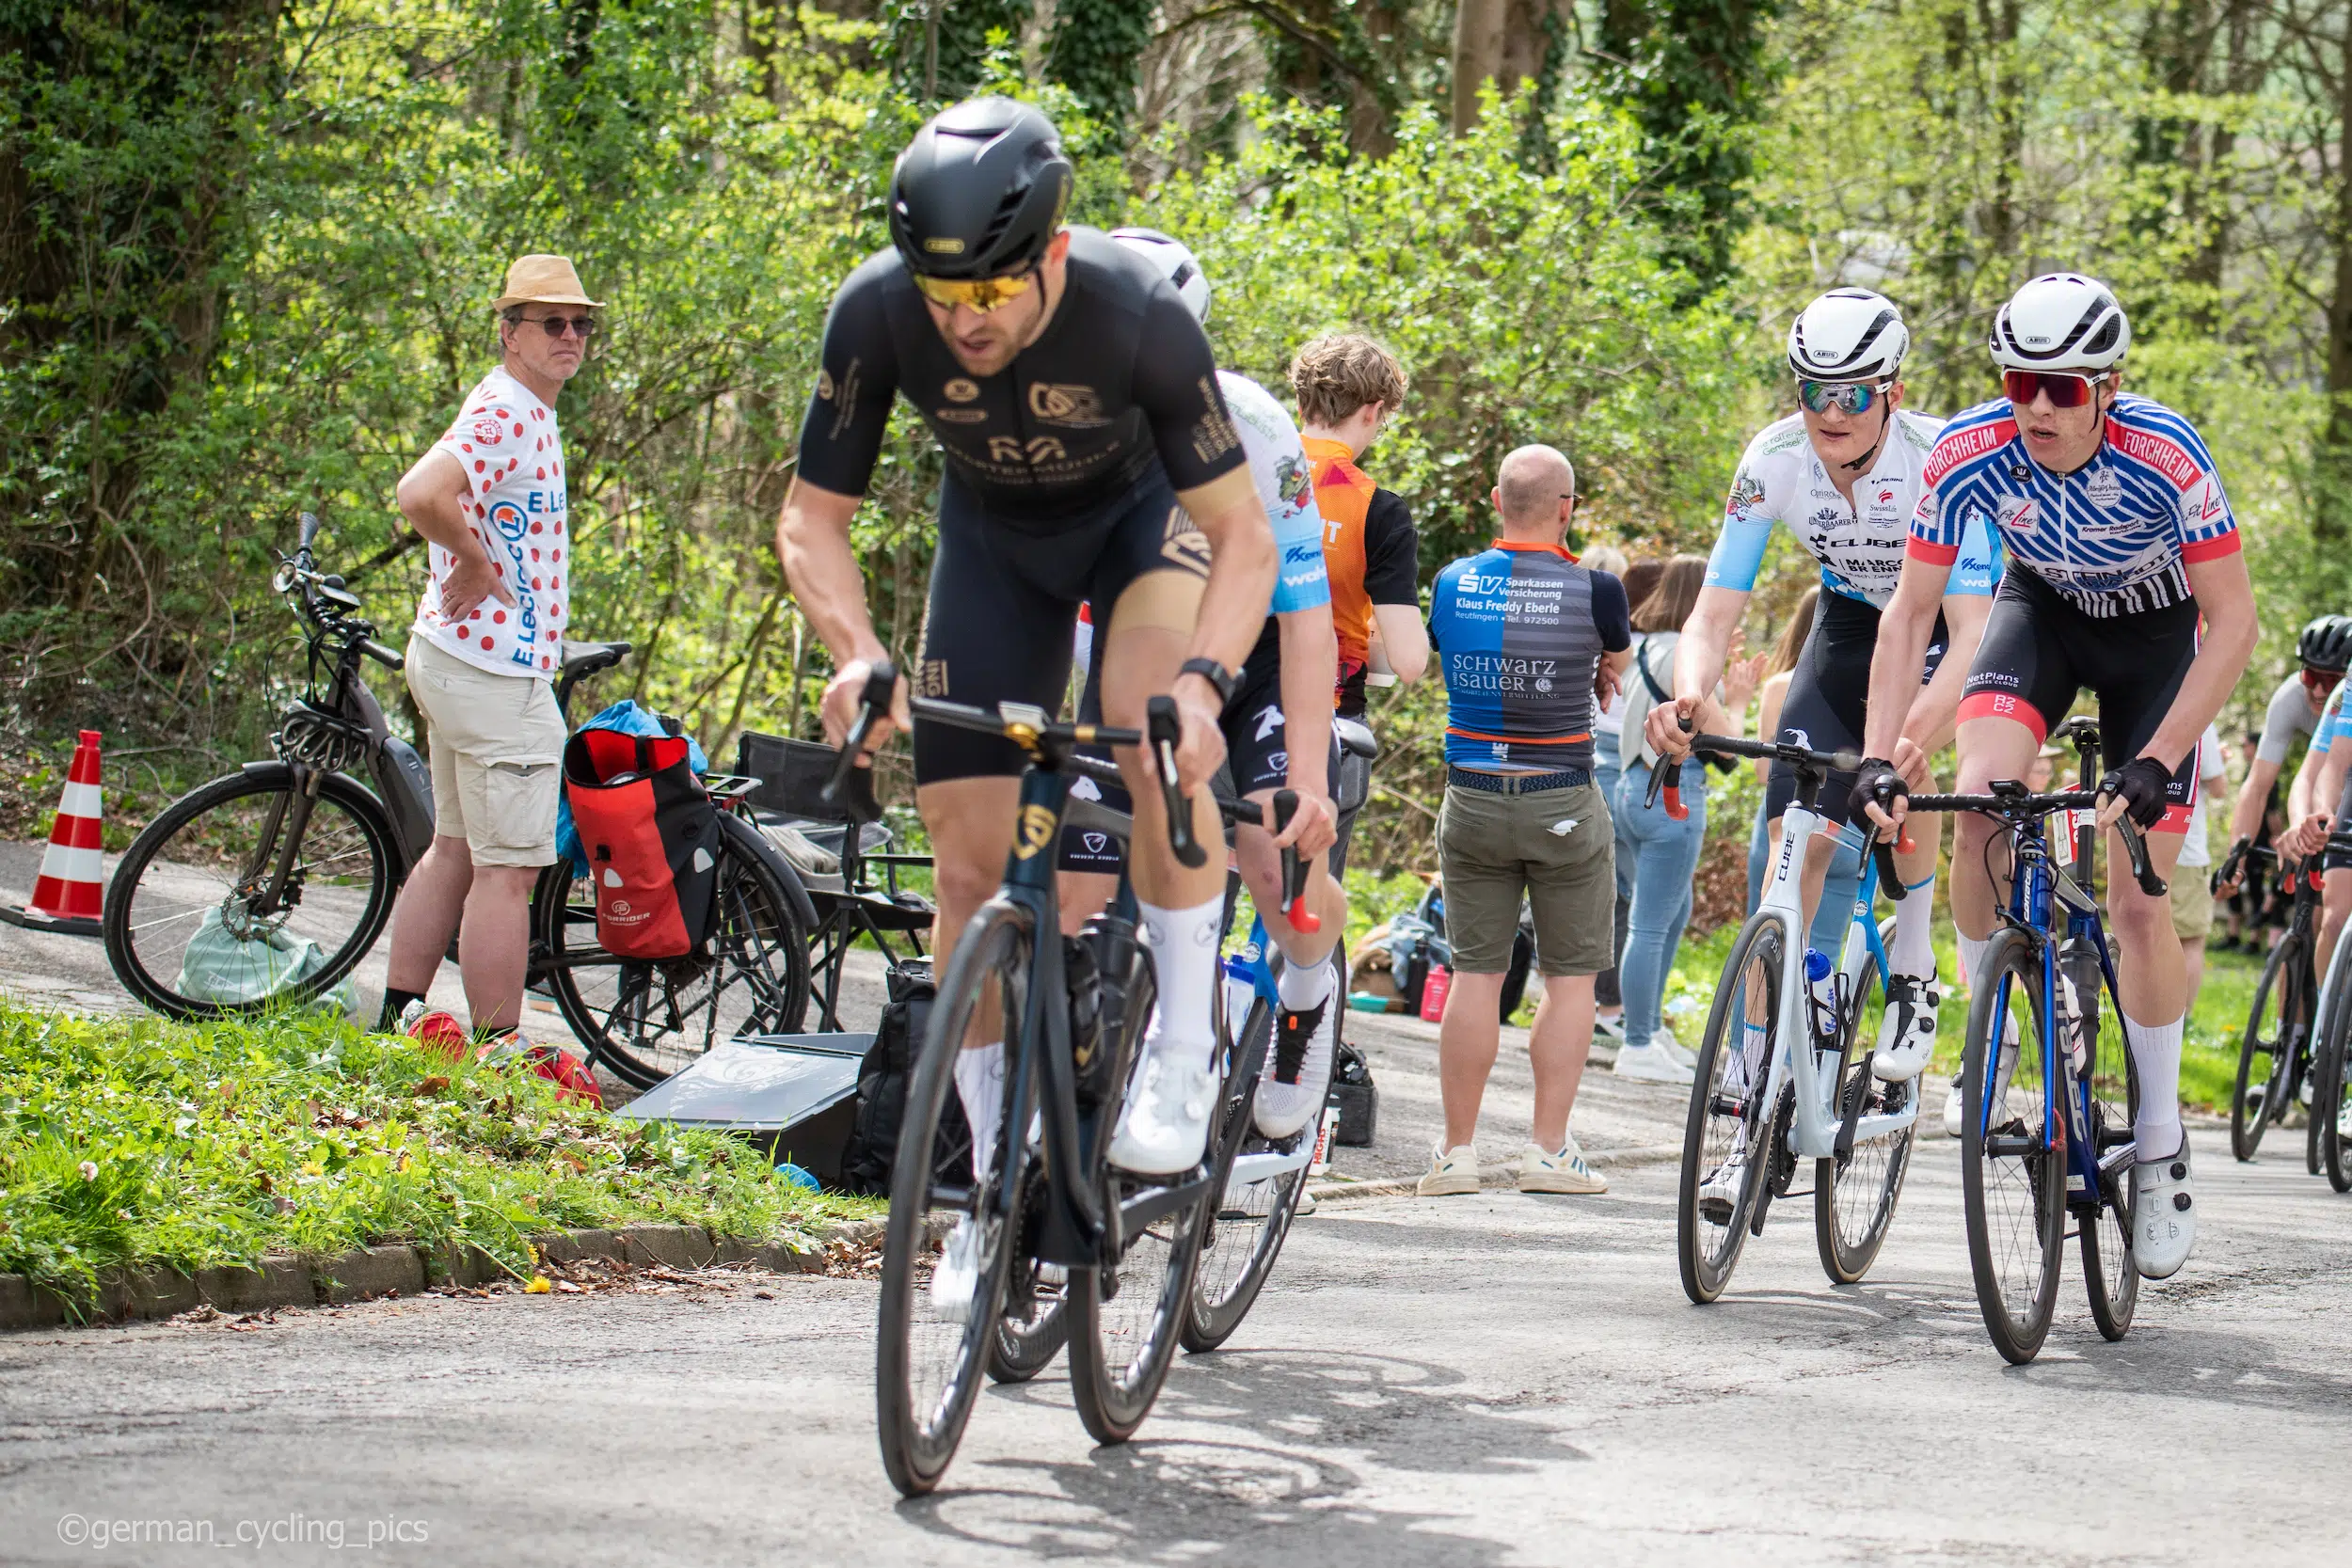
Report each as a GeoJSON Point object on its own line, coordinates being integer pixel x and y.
{"type": "Point", "coordinates": [1121, 374]}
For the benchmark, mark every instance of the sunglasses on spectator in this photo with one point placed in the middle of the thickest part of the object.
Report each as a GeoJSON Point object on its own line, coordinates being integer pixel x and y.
{"type": "Point", "coordinates": [555, 327]}
{"type": "Point", "coordinates": [980, 295]}
{"type": "Point", "coordinates": [1852, 397]}
{"type": "Point", "coordinates": [2066, 388]}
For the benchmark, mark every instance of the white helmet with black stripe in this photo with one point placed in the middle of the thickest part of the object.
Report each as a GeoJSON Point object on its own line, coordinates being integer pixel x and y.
{"type": "Point", "coordinates": [1174, 261]}
{"type": "Point", "coordinates": [2062, 321]}
{"type": "Point", "coordinates": [1848, 335]}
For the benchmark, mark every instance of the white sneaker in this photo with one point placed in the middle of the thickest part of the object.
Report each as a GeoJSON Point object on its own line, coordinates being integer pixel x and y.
{"type": "Point", "coordinates": [1650, 1064]}
{"type": "Point", "coordinates": [1721, 1190]}
{"type": "Point", "coordinates": [1166, 1127]}
{"type": "Point", "coordinates": [1450, 1171]}
{"type": "Point", "coordinates": [1608, 1028]}
{"type": "Point", "coordinates": [1682, 1055]}
{"type": "Point", "coordinates": [1907, 1033]}
{"type": "Point", "coordinates": [1544, 1171]}
{"type": "Point", "coordinates": [2164, 1216]}
{"type": "Point", "coordinates": [1664, 1037]}
{"type": "Point", "coordinates": [956, 1277]}
{"type": "Point", "coordinates": [1287, 1100]}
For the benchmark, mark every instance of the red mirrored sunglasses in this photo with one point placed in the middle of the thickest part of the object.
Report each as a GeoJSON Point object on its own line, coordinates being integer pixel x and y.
{"type": "Point", "coordinates": [2066, 388]}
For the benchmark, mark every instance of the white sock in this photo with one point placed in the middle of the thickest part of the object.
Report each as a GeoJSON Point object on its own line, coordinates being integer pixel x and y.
{"type": "Point", "coordinates": [1184, 957]}
{"type": "Point", "coordinates": [1303, 988]}
{"type": "Point", "coordinates": [1971, 954]}
{"type": "Point", "coordinates": [2156, 1052]}
{"type": "Point", "coordinates": [980, 1085]}
{"type": "Point", "coordinates": [1913, 951]}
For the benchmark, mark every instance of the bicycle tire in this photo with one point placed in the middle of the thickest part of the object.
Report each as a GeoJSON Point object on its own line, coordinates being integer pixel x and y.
{"type": "Point", "coordinates": [2327, 1090]}
{"type": "Point", "coordinates": [2021, 1195]}
{"type": "Point", "coordinates": [757, 952]}
{"type": "Point", "coordinates": [1854, 1203]}
{"type": "Point", "coordinates": [1263, 1219]}
{"type": "Point", "coordinates": [1119, 1357]}
{"type": "Point", "coordinates": [2330, 1025]}
{"type": "Point", "coordinates": [1727, 1112]}
{"type": "Point", "coordinates": [2110, 1273]}
{"type": "Point", "coordinates": [2282, 981]}
{"type": "Point", "coordinates": [140, 899]}
{"type": "Point", "coordinates": [927, 1365]}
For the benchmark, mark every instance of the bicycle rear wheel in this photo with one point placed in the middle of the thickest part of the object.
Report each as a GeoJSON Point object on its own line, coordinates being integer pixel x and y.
{"type": "Point", "coordinates": [2012, 1183]}
{"type": "Point", "coordinates": [1125, 1318]}
{"type": "Point", "coordinates": [648, 1019]}
{"type": "Point", "coordinates": [929, 1354]}
{"type": "Point", "coordinates": [1725, 1139]}
{"type": "Point", "coordinates": [2110, 1276]}
{"type": "Point", "coordinates": [1854, 1198]}
{"type": "Point", "coordinates": [2280, 1013]}
{"type": "Point", "coordinates": [1251, 1218]}
{"type": "Point", "coordinates": [195, 874]}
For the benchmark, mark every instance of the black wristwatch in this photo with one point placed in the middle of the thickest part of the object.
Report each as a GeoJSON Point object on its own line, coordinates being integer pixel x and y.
{"type": "Point", "coordinates": [1216, 674]}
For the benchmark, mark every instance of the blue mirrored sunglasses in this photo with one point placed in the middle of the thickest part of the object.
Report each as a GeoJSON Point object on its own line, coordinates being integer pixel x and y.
{"type": "Point", "coordinates": [1852, 397]}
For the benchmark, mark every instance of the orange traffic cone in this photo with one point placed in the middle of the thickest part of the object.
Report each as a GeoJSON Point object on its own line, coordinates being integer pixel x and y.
{"type": "Point", "coordinates": [72, 888]}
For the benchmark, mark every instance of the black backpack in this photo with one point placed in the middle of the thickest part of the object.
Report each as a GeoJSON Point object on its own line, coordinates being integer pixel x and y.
{"type": "Point", "coordinates": [872, 1149]}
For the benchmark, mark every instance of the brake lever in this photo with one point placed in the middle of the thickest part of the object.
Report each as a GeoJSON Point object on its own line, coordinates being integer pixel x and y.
{"type": "Point", "coordinates": [1667, 777]}
{"type": "Point", "coordinates": [1890, 879]}
{"type": "Point", "coordinates": [1161, 731]}
{"type": "Point", "coordinates": [2135, 851]}
{"type": "Point", "coordinates": [881, 685]}
{"type": "Point", "coordinates": [1295, 867]}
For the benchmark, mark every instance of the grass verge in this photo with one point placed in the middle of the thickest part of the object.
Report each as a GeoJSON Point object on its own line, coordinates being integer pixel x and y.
{"type": "Point", "coordinates": [131, 1141]}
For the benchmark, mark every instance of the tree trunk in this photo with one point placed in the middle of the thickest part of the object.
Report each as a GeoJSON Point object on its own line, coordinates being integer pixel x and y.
{"type": "Point", "coordinates": [1479, 36]}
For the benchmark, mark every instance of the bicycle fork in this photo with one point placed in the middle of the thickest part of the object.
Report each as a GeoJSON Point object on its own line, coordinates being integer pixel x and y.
{"type": "Point", "coordinates": [280, 841]}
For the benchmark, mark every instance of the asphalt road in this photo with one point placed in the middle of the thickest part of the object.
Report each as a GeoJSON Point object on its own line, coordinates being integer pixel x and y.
{"type": "Point", "coordinates": [1494, 1379]}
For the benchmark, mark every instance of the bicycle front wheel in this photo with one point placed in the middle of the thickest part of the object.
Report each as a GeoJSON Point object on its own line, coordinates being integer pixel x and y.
{"type": "Point", "coordinates": [2330, 1120]}
{"type": "Point", "coordinates": [2012, 1174]}
{"type": "Point", "coordinates": [648, 1019]}
{"type": "Point", "coordinates": [1854, 1198]}
{"type": "Point", "coordinates": [183, 921]}
{"type": "Point", "coordinates": [932, 1346]}
{"type": "Point", "coordinates": [1125, 1316]}
{"type": "Point", "coordinates": [1252, 1217]}
{"type": "Point", "coordinates": [1725, 1142]}
{"type": "Point", "coordinates": [2280, 1016]}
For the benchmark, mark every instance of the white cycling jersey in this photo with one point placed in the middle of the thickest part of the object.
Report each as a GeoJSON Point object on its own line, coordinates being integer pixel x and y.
{"type": "Point", "coordinates": [1860, 548]}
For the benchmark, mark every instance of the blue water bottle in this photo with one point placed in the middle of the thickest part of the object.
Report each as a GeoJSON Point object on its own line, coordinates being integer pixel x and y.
{"type": "Point", "coordinates": [1820, 977]}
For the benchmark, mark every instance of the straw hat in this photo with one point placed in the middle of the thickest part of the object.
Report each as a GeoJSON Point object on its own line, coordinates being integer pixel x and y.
{"type": "Point", "coordinates": [543, 280]}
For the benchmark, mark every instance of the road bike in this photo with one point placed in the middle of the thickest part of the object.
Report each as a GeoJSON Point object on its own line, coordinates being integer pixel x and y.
{"type": "Point", "coordinates": [2049, 1088]}
{"type": "Point", "coordinates": [297, 859]}
{"type": "Point", "coordinates": [2275, 1055]}
{"type": "Point", "coordinates": [2330, 1118]}
{"type": "Point", "coordinates": [1119, 1248]}
{"type": "Point", "coordinates": [1779, 1079]}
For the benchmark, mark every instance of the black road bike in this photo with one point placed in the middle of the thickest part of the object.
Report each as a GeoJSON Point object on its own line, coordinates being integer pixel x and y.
{"type": "Point", "coordinates": [301, 855]}
{"type": "Point", "coordinates": [2276, 1055]}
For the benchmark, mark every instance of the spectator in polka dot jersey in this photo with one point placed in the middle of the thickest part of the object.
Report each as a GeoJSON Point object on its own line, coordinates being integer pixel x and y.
{"type": "Point", "coordinates": [489, 500]}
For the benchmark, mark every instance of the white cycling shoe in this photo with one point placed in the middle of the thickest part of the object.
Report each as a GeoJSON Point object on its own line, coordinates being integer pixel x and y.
{"type": "Point", "coordinates": [2164, 1216]}
{"type": "Point", "coordinates": [1166, 1128]}
{"type": "Point", "coordinates": [1721, 1190]}
{"type": "Point", "coordinates": [956, 1278]}
{"type": "Point", "coordinates": [1295, 1081]}
{"type": "Point", "coordinates": [1907, 1033]}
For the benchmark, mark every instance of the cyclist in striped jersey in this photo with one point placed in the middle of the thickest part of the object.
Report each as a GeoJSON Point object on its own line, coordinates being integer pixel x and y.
{"type": "Point", "coordinates": [2117, 539]}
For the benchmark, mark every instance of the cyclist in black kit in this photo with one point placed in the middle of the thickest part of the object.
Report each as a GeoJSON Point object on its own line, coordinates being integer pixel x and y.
{"type": "Point", "coordinates": [1089, 456]}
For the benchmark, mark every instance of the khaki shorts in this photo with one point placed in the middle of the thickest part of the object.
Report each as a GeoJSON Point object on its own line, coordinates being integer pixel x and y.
{"type": "Point", "coordinates": [2192, 902]}
{"type": "Point", "coordinates": [1496, 849]}
{"type": "Point", "coordinates": [497, 746]}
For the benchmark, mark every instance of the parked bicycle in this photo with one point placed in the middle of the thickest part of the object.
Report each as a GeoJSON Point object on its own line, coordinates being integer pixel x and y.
{"type": "Point", "coordinates": [1781, 1080]}
{"type": "Point", "coordinates": [2049, 1088]}
{"type": "Point", "coordinates": [289, 866]}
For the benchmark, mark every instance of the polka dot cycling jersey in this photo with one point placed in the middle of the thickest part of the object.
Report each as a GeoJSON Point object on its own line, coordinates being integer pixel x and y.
{"type": "Point", "coordinates": [516, 503]}
{"type": "Point", "coordinates": [1860, 546]}
{"type": "Point", "coordinates": [2115, 537]}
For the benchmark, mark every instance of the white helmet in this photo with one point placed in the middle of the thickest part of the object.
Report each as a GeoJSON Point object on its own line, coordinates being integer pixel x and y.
{"type": "Point", "coordinates": [1174, 263]}
{"type": "Point", "coordinates": [1848, 335]}
{"type": "Point", "coordinates": [2062, 321]}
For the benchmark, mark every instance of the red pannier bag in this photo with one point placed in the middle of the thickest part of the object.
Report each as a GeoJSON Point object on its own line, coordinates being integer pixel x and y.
{"type": "Point", "coordinates": [651, 836]}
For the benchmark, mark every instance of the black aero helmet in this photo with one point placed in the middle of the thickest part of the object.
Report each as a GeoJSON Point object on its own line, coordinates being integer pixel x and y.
{"type": "Point", "coordinates": [979, 191]}
{"type": "Point", "coordinates": [2326, 644]}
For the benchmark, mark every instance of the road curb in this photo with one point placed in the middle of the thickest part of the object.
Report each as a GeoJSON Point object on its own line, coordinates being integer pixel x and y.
{"type": "Point", "coordinates": [1502, 1173]}
{"type": "Point", "coordinates": [366, 1272]}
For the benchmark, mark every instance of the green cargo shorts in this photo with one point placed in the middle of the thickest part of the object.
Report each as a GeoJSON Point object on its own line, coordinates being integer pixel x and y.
{"type": "Point", "coordinates": [1553, 848]}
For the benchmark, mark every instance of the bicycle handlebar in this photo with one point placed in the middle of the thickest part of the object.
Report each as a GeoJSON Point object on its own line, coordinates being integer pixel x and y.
{"type": "Point", "coordinates": [2016, 805]}
{"type": "Point", "coordinates": [1164, 728]}
{"type": "Point", "coordinates": [881, 684]}
{"type": "Point", "coordinates": [381, 654]}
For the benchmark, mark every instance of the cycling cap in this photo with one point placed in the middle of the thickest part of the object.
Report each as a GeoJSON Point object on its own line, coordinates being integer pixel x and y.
{"type": "Point", "coordinates": [980, 192]}
{"type": "Point", "coordinates": [1172, 260]}
{"type": "Point", "coordinates": [2062, 321]}
{"type": "Point", "coordinates": [2325, 643]}
{"type": "Point", "coordinates": [1848, 335]}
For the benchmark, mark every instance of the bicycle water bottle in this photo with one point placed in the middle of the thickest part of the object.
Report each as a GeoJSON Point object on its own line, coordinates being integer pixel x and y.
{"type": "Point", "coordinates": [1820, 977]}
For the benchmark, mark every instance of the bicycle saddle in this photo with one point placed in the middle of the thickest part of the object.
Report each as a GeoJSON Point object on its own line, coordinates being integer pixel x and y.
{"type": "Point", "coordinates": [2082, 731]}
{"type": "Point", "coordinates": [586, 658]}
{"type": "Point", "coordinates": [1356, 739]}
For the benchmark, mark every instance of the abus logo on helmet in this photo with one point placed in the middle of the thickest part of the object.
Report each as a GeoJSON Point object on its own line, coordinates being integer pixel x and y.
{"type": "Point", "coordinates": [940, 245]}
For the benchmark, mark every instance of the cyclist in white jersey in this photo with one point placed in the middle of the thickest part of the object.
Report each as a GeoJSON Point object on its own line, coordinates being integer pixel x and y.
{"type": "Point", "coordinates": [1843, 474]}
{"type": "Point", "coordinates": [1296, 649]}
{"type": "Point", "coordinates": [2117, 538]}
